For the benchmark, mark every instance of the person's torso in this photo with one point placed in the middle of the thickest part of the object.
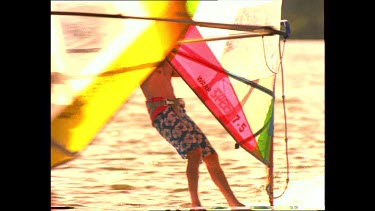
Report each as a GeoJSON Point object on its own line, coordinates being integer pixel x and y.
{"type": "Point", "coordinates": [159, 83]}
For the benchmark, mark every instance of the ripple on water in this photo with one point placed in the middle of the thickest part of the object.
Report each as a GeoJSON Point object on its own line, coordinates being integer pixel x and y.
{"type": "Point", "coordinates": [122, 187]}
{"type": "Point", "coordinates": [177, 190]}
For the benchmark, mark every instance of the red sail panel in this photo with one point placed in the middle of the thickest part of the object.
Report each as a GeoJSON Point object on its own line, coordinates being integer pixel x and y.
{"type": "Point", "coordinates": [201, 70]}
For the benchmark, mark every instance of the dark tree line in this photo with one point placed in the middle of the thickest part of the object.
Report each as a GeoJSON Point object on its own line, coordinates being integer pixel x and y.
{"type": "Point", "coordinates": [306, 18]}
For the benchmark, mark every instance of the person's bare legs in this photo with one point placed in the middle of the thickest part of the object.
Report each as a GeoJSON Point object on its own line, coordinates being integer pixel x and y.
{"type": "Point", "coordinates": [192, 173]}
{"type": "Point", "coordinates": [218, 177]}
{"type": "Point", "coordinates": [216, 173]}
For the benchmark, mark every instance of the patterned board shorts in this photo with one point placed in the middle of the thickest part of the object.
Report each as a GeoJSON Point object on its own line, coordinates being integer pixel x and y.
{"type": "Point", "coordinates": [183, 134]}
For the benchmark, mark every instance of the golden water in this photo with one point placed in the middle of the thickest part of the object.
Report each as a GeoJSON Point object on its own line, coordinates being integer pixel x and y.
{"type": "Point", "coordinates": [129, 166]}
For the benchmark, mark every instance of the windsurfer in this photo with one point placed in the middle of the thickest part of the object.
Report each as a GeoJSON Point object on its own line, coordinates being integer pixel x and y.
{"type": "Point", "coordinates": [168, 116]}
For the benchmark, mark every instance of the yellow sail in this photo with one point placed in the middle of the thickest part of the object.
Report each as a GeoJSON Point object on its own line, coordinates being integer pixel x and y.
{"type": "Point", "coordinates": [98, 62]}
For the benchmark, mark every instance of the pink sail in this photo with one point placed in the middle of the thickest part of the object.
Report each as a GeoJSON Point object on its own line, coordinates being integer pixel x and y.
{"type": "Point", "coordinates": [200, 69]}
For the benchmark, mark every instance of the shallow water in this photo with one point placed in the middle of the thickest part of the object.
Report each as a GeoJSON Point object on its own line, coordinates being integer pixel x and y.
{"type": "Point", "coordinates": [130, 167]}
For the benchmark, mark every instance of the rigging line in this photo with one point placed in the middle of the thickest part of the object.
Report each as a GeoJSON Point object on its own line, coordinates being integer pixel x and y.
{"type": "Point", "coordinates": [280, 52]}
{"type": "Point", "coordinates": [234, 36]}
{"type": "Point", "coordinates": [285, 121]}
{"type": "Point", "coordinates": [265, 57]}
{"type": "Point", "coordinates": [239, 78]}
{"type": "Point", "coordinates": [285, 36]}
{"type": "Point", "coordinates": [237, 27]}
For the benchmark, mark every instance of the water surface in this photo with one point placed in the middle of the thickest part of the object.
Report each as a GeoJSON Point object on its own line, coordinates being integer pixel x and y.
{"type": "Point", "coordinates": [129, 166]}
